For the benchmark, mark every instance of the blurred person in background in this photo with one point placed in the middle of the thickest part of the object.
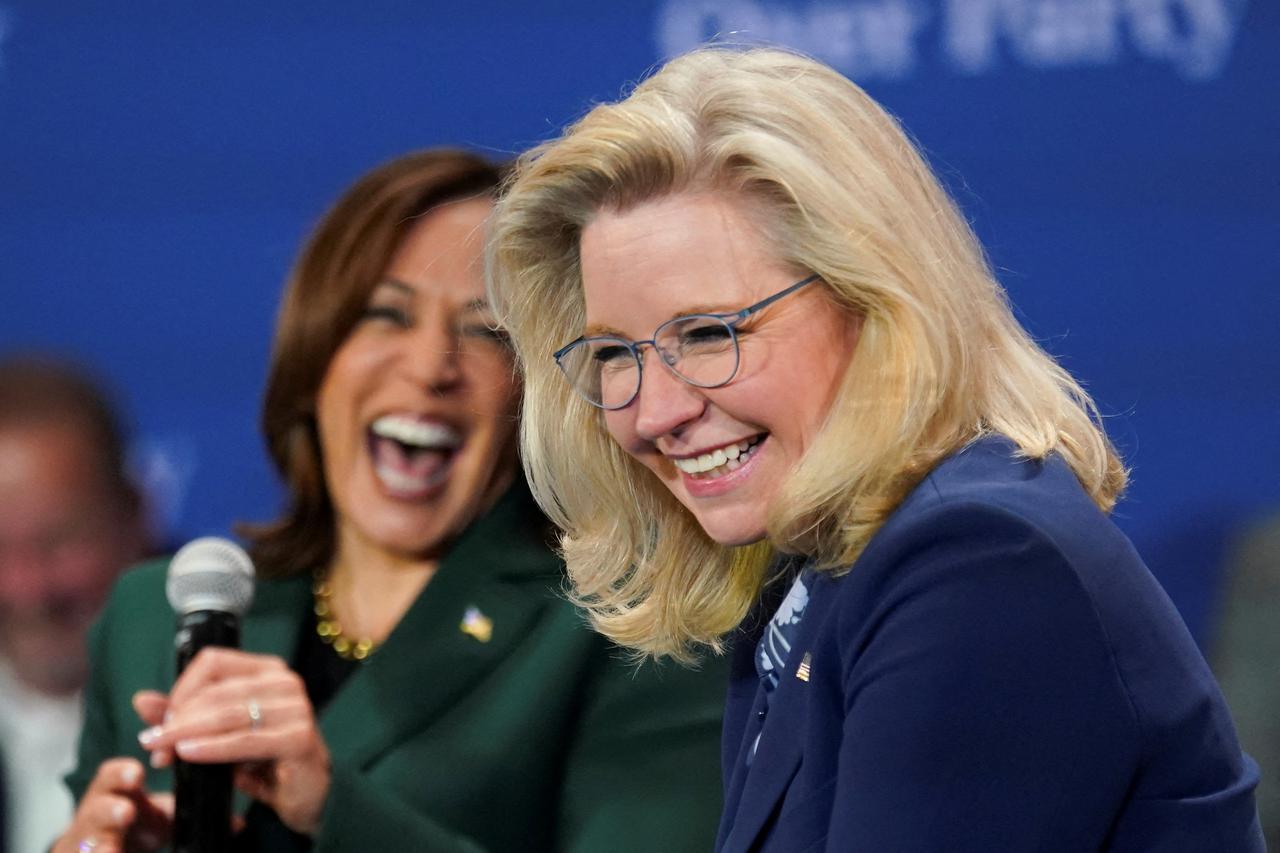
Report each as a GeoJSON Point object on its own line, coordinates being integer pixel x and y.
{"type": "Point", "coordinates": [413, 677]}
{"type": "Point", "coordinates": [70, 521]}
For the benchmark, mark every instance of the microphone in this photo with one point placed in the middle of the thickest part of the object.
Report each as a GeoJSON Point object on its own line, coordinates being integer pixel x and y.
{"type": "Point", "coordinates": [210, 586]}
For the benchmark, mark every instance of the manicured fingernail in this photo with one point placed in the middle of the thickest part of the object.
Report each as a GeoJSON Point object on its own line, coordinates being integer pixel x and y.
{"type": "Point", "coordinates": [117, 813]}
{"type": "Point", "coordinates": [157, 760]}
{"type": "Point", "coordinates": [130, 774]}
{"type": "Point", "coordinates": [168, 717]}
{"type": "Point", "coordinates": [148, 736]}
{"type": "Point", "coordinates": [187, 748]}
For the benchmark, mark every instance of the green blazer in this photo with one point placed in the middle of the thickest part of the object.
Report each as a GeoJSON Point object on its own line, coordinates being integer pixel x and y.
{"type": "Point", "coordinates": [543, 738]}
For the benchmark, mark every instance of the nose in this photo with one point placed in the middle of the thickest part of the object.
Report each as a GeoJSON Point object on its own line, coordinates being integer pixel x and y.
{"type": "Point", "coordinates": [665, 403]}
{"type": "Point", "coordinates": [430, 358]}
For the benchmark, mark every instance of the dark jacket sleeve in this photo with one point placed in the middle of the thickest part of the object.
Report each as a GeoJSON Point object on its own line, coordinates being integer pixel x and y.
{"type": "Point", "coordinates": [360, 816]}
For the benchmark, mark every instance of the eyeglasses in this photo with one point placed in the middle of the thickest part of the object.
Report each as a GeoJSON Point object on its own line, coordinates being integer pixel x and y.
{"type": "Point", "coordinates": [701, 349]}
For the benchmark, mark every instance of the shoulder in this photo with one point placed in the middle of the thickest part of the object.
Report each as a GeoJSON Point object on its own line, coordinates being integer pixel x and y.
{"type": "Point", "coordinates": [617, 683]}
{"type": "Point", "coordinates": [995, 558]}
{"type": "Point", "coordinates": [511, 542]}
{"type": "Point", "coordinates": [991, 474]}
{"type": "Point", "coordinates": [998, 513]}
{"type": "Point", "coordinates": [132, 639]}
{"type": "Point", "coordinates": [139, 594]}
{"type": "Point", "coordinates": [663, 693]}
{"type": "Point", "coordinates": [1000, 561]}
{"type": "Point", "coordinates": [976, 575]}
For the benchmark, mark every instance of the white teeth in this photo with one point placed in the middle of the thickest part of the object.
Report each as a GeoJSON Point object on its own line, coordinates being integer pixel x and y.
{"type": "Point", "coordinates": [398, 480]}
{"type": "Point", "coordinates": [425, 434]}
{"type": "Point", "coordinates": [728, 458]}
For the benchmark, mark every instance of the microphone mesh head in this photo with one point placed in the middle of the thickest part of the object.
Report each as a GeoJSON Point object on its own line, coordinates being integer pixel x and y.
{"type": "Point", "coordinates": [210, 573]}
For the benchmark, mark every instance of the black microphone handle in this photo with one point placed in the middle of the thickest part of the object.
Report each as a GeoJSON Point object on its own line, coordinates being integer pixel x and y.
{"type": "Point", "coordinates": [202, 792]}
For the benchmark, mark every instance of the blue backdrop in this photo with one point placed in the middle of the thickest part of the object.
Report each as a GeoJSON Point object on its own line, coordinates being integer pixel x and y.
{"type": "Point", "coordinates": [160, 163]}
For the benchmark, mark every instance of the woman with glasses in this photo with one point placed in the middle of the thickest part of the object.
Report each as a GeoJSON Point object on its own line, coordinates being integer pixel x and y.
{"type": "Point", "coordinates": [411, 677]}
{"type": "Point", "coordinates": [777, 403]}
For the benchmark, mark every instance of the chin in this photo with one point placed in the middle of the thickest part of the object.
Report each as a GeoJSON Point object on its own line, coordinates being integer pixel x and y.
{"type": "Point", "coordinates": [422, 540]}
{"type": "Point", "coordinates": [731, 532]}
{"type": "Point", "coordinates": [401, 530]}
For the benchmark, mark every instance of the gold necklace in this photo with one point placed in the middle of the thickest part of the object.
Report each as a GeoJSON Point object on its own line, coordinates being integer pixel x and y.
{"type": "Point", "coordinates": [330, 630]}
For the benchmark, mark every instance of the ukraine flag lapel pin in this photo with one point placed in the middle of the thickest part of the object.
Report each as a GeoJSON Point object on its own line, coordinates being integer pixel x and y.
{"type": "Point", "coordinates": [476, 624]}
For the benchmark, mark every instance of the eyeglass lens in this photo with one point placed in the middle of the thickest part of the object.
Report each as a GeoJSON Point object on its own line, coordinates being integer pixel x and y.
{"type": "Point", "coordinates": [700, 349]}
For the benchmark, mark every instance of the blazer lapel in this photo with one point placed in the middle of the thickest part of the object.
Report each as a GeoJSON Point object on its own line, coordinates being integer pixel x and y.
{"type": "Point", "coordinates": [743, 703]}
{"type": "Point", "coordinates": [780, 747]}
{"type": "Point", "coordinates": [502, 572]}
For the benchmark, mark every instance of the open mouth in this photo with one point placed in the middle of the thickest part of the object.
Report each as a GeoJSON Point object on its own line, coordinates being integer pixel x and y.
{"type": "Point", "coordinates": [412, 456]}
{"type": "Point", "coordinates": [720, 461]}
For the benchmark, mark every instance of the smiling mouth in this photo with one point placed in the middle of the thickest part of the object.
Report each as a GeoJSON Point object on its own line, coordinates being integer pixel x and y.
{"type": "Point", "coordinates": [721, 461]}
{"type": "Point", "coordinates": [411, 456]}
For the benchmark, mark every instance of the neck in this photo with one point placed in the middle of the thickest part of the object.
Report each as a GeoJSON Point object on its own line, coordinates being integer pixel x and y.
{"type": "Point", "coordinates": [373, 589]}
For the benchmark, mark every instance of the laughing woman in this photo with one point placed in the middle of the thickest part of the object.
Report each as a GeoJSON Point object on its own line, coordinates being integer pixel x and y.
{"type": "Point", "coordinates": [412, 677]}
{"type": "Point", "coordinates": [754, 325]}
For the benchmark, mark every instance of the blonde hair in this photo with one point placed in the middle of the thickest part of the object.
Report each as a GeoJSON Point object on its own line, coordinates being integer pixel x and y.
{"type": "Point", "coordinates": [940, 361]}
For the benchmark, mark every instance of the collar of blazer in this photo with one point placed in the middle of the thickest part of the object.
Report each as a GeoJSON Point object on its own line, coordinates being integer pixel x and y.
{"type": "Point", "coordinates": [753, 792]}
{"type": "Point", "coordinates": [502, 565]}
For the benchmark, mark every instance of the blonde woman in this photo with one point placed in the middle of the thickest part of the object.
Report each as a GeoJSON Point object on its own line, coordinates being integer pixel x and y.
{"type": "Point", "coordinates": [776, 401]}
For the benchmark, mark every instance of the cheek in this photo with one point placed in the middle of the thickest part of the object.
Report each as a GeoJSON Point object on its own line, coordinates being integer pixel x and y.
{"type": "Point", "coordinates": [620, 425]}
{"type": "Point", "coordinates": [495, 400]}
{"type": "Point", "coordinates": [354, 369]}
{"type": "Point", "coordinates": [331, 398]}
{"type": "Point", "coordinates": [330, 431]}
{"type": "Point", "coordinates": [503, 426]}
{"type": "Point", "coordinates": [823, 363]}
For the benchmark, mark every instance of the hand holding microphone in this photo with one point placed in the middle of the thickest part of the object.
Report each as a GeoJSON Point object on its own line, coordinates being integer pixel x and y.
{"type": "Point", "coordinates": [232, 715]}
{"type": "Point", "coordinates": [210, 585]}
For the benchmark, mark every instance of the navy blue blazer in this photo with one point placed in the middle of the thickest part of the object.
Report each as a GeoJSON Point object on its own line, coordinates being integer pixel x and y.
{"type": "Point", "coordinates": [998, 671]}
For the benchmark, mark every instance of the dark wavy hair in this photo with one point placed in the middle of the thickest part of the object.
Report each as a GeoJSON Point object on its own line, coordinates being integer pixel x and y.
{"type": "Point", "coordinates": [325, 295]}
{"type": "Point", "coordinates": [40, 388]}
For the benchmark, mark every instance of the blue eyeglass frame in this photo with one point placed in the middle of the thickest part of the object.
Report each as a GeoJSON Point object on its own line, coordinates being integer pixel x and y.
{"type": "Point", "coordinates": [729, 318]}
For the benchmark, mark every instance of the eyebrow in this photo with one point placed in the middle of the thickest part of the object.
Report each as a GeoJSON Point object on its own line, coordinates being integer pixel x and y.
{"type": "Point", "coordinates": [477, 305]}
{"type": "Point", "coordinates": [599, 330]}
{"type": "Point", "coordinates": [397, 284]}
{"type": "Point", "coordinates": [705, 308]}
{"type": "Point", "coordinates": [596, 330]}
